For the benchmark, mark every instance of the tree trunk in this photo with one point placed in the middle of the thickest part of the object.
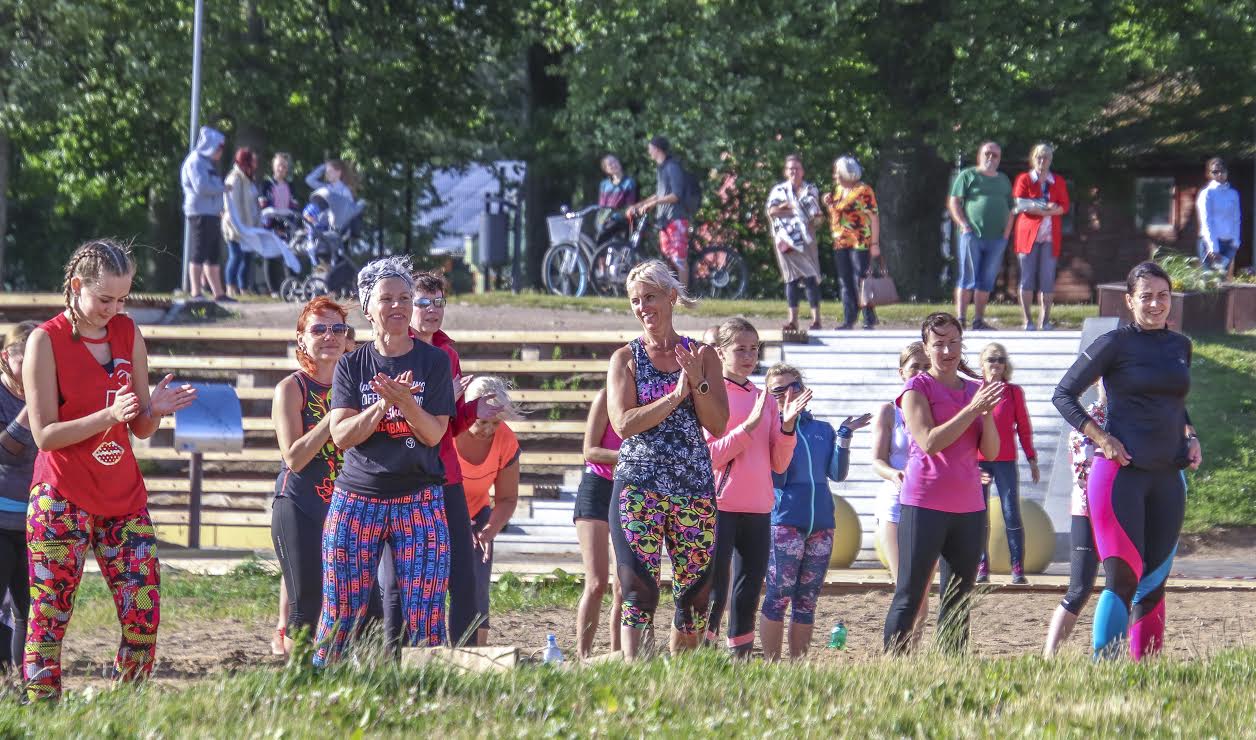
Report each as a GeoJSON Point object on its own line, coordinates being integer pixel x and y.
{"type": "Point", "coordinates": [911, 194]}
{"type": "Point", "coordinates": [4, 199]}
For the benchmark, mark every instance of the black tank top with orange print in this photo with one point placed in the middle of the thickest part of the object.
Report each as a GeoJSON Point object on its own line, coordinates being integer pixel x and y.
{"type": "Point", "coordinates": [310, 487]}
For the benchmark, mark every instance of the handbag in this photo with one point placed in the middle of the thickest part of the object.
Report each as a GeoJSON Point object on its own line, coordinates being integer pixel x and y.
{"type": "Point", "coordinates": [877, 289]}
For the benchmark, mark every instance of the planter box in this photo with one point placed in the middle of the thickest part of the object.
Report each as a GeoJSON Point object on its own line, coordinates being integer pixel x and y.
{"type": "Point", "coordinates": [1191, 313]}
{"type": "Point", "coordinates": [1242, 307]}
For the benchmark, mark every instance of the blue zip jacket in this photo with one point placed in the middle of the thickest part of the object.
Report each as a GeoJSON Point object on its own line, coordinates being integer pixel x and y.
{"type": "Point", "coordinates": [802, 492]}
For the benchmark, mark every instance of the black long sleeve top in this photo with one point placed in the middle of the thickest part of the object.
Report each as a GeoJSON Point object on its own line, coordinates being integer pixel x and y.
{"type": "Point", "coordinates": [1146, 374]}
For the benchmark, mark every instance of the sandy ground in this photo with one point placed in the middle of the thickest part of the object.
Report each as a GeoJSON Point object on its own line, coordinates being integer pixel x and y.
{"type": "Point", "coordinates": [1005, 623]}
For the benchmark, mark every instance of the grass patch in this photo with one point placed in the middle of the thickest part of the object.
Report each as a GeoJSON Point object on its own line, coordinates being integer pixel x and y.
{"type": "Point", "coordinates": [702, 694]}
{"type": "Point", "coordinates": [1223, 491]}
{"type": "Point", "coordinates": [1003, 315]}
{"type": "Point", "coordinates": [251, 591]}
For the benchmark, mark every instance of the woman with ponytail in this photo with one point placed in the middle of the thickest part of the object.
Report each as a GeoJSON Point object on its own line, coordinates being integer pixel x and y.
{"type": "Point", "coordinates": [943, 512]}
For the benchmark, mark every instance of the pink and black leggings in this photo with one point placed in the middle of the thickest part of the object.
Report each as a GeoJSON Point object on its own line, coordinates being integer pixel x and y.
{"type": "Point", "coordinates": [1137, 517]}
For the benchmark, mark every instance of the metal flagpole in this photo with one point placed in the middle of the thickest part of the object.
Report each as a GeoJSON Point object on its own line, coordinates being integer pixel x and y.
{"type": "Point", "coordinates": [193, 123]}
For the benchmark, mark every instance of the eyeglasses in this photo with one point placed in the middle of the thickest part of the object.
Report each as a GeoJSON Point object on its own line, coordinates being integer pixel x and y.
{"type": "Point", "coordinates": [780, 390]}
{"type": "Point", "coordinates": [996, 360]}
{"type": "Point", "coordinates": [426, 302]}
{"type": "Point", "coordinates": [319, 330]}
{"type": "Point", "coordinates": [1216, 172]}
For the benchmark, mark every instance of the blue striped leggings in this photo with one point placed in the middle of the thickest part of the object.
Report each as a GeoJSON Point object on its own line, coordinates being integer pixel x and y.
{"type": "Point", "coordinates": [356, 528]}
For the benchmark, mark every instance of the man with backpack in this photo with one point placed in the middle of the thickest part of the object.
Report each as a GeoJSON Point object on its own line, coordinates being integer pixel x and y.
{"type": "Point", "coordinates": [676, 199]}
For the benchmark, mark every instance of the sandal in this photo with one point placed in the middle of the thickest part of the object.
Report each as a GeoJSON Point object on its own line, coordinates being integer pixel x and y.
{"type": "Point", "coordinates": [815, 326]}
{"type": "Point", "coordinates": [790, 326]}
{"type": "Point", "coordinates": [277, 646]}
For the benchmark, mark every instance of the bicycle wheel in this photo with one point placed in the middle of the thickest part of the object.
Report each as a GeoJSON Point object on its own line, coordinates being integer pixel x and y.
{"type": "Point", "coordinates": [611, 265]}
{"type": "Point", "coordinates": [315, 286]}
{"type": "Point", "coordinates": [565, 271]}
{"type": "Point", "coordinates": [718, 272]}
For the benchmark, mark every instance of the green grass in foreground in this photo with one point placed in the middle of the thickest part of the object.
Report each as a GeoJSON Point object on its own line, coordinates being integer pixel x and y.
{"type": "Point", "coordinates": [1005, 316]}
{"type": "Point", "coordinates": [701, 694]}
{"type": "Point", "coordinates": [1223, 407]}
{"type": "Point", "coordinates": [251, 592]}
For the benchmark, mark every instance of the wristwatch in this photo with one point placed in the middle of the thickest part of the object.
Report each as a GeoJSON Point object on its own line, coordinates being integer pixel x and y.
{"type": "Point", "coordinates": [703, 388]}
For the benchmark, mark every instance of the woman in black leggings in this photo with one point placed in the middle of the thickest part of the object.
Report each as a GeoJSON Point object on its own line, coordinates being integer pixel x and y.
{"type": "Point", "coordinates": [943, 509]}
{"type": "Point", "coordinates": [311, 461]}
{"type": "Point", "coordinates": [17, 466]}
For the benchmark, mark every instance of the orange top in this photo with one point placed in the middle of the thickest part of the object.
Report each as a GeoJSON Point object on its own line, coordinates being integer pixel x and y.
{"type": "Point", "coordinates": [478, 478]}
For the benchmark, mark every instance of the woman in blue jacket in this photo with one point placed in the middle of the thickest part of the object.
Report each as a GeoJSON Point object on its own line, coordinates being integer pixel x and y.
{"type": "Point", "coordinates": [802, 521]}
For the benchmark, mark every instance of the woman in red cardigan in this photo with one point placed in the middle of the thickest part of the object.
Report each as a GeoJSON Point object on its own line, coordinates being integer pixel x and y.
{"type": "Point", "coordinates": [1041, 201]}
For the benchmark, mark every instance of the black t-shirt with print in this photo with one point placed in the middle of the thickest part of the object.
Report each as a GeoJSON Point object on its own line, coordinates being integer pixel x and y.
{"type": "Point", "coordinates": [392, 461]}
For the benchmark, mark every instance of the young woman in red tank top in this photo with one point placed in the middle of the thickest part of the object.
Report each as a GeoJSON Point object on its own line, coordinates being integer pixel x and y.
{"type": "Point", "coordinates": [86, 381]}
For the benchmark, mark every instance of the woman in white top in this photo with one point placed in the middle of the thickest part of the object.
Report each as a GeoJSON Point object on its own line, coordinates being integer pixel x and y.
{"type": "Point", "coordinates": [795, 212]}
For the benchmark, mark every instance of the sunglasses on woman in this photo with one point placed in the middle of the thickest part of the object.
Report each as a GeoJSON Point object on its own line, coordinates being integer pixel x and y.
{"type": "Point", "coordinates": [781, 390]}
{"type": "Point", "coordinates": [319, 330]}
{"type": "Point", "coordinates": [996, 360]}
{"type": "Point", "coordinates": [426, 302]}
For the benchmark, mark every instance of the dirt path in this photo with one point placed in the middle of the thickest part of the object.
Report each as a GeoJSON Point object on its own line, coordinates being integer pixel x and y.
{"type": "Point", "coordinates": [1004, 624]}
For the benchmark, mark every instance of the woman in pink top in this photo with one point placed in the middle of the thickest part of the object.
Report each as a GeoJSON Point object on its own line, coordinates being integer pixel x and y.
{"type": "Point", "coordinates": [1011, 418]}
{"type": "Point", "coordinates": [592, 516]}
{"type": "Point", "coordinates": [758, 441]}
{"type": "Point", "coordinates": [943, 510]}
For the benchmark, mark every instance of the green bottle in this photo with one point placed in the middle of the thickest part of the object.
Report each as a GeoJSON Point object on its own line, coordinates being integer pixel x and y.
{"type": "Point", "coordinates": [837, 638]}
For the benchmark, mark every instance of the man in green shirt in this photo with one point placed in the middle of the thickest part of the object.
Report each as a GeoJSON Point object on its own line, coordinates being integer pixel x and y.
{"type": "Point", "coordinates": [981, 206]}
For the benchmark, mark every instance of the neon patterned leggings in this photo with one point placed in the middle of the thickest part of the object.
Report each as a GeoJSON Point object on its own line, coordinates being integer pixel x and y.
{"type": "Point", "coordinates": [415, 528]}
{"type": "Point", "coordinates": [643, 524]}
{"type": "Point", "coordinates": [58, 534]}
{"type": "Point", "coordinates": [796, 568]}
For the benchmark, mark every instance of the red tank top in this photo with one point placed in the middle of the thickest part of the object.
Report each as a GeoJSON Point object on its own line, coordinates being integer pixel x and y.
{"type": "Point", "coordinates": [100, 473]}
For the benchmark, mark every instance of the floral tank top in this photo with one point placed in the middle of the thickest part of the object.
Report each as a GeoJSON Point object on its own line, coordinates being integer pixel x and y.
{"type": "Point", "coordinates": [671, 458]}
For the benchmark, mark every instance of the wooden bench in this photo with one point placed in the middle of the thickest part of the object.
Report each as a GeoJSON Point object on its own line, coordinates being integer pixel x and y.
{"type": "Point", "coordinates": [168, 363]}
{"type": "Point", "coordinates": [271, 455]}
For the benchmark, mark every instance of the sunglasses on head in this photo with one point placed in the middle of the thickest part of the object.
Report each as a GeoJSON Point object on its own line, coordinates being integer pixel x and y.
{"type": "Point", "coordinates": [426, 302]}
{"type": "Point", "coordinates": [781, 390]}
{"type": "Point", "coordinates": [319, 330]}
{"type": "Point", "coordinates": [996, 360]}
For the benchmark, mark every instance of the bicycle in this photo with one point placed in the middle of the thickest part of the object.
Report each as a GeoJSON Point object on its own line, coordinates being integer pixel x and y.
{"type": "Point", "coordinates": [565, 266]}
{"type": "Point", "coordinates": [715, 271]}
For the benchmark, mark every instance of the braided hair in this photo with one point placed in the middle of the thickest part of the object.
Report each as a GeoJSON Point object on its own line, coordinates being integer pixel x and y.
{"type": "Point", "coordinates": [89, 263]}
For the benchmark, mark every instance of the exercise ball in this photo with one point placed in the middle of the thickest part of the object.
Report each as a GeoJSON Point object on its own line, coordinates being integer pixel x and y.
{"type": "Point", "coordinates": [847, 535]}
{"type": "Point", "coordinates": [1039, 538]}
{"type": "Point", "coordinates": [880, 548]}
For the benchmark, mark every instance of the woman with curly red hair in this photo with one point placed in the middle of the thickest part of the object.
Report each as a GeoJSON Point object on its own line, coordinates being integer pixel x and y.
{"type": "Point", "coordinates": [311, 463]}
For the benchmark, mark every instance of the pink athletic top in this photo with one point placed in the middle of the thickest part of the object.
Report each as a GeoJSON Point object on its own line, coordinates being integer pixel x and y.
{"type": "Point", "coordinates": [610, 441]}
{"type": "Point", "coordinates": [754, 455]}
{"type": "Point", "coordinates": [949, 481]}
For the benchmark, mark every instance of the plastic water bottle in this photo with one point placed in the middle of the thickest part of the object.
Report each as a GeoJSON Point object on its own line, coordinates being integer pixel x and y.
{"type": "Point", "coordinates": [837, 638]}
{"type": "Point", "coordinates": [552, 654]}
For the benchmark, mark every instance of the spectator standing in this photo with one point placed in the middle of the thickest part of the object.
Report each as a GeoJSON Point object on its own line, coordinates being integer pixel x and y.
{"type": "Point", "coordinates": [240, 198]}
{"type": "Point", "coordinates": [1219, 219]}
{"type": "Point", "coordinates": [856, 225]}
{"type": "Point", "coordinates": [981, 206]}
{"type": "Point", "coordinates": [276, 192]}
{"type": "Point", "coordinates": [669, 208]}
{"type": "Point", "coordinates": [618, 190]}
{"type": "Point", "coordinates": [202, 208]}
{"type": "Point", "coordinates": [794, 208]}
{"type": "Point", "coordinates": [1041, 200]}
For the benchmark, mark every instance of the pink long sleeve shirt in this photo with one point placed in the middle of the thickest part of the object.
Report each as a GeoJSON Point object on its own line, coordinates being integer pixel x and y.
{"type": "Point", "coordinates": [754, 455]}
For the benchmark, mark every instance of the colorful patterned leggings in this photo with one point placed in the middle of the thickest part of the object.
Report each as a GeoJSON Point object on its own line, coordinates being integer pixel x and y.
{"type": "Point", "coordinates": [642, 525]}
{"type": "Point", "coordinates": [58, 534]}
{"type": "Point", "coordinates": [357, 526]}
{"type": "Point", "coordinates": [1137, 517]}
{"type": "Point", "coordinates": [796, 568]}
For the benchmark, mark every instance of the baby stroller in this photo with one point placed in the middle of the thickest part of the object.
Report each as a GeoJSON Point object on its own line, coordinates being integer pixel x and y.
{"type": "Point", "coordinates": [322, 239]}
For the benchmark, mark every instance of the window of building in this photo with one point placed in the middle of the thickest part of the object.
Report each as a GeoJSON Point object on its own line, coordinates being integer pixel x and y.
{"type": "Point", "coordinates": [1153, 202]}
